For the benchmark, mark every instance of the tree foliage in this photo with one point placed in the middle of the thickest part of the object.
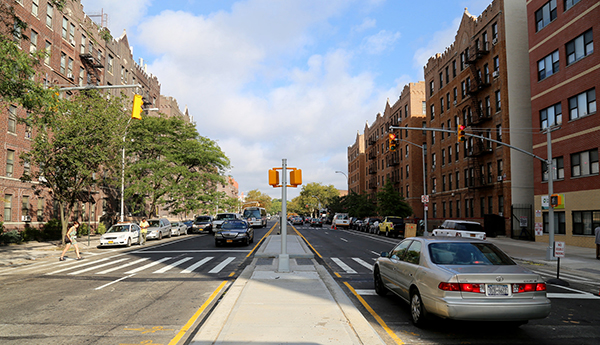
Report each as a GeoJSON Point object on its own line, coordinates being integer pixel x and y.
{"type": "Point", "coordinates": [75, 139]}
{"type": "Point", "coordinates": [263, 199]}
{"type": "Point", "coordinates": [313, 197]}
{"type": "Point", "coordinates": [392, 203]}
{"type": "Point", "coordinates": [169, 164]}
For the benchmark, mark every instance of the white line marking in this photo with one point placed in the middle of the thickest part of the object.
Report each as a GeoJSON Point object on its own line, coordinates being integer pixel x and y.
{"type": "Point", "coordinates": [366, 292]}
{"type": "Point", "coordinates": [175, 264]}
{"type": "Point", "coordinates": [154, 263]}
{"type": "Point", "coordinates": [222, 265]}
{"type": "Point", "coordinates": [96, 267]}
{"type": "Point", "coordinates": [82, 265]}
{"type": "Point", "coordinates": [122, 266]}
{"type": "Point", "coordinates": [343, 239]}
{"type": "Point", "coordinates": [583, 295]}
{"type": "Point", "coordinates": [345, 267]}
{"type": "Point", "coordinates": [197, 264]}
{"type": "Point", "coordinates": [194, 251]}
{"type": "Point", "coordinates": [116, 281]}
{"type": "Point", "coordinates": [366, 264]}
{"type": "Point", "coordinates": [374, 252]}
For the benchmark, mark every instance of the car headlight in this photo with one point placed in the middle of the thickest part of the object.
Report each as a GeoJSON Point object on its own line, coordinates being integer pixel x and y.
{"type": "Point", "coordinates": [218, 235]}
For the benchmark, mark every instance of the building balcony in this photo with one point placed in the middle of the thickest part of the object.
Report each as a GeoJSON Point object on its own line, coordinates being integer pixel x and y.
{"type": "Point", "coordinates": [479, 148]}
{"type": "Point", "coordinates": [477, 52]}
{"type": "Point", "coordinates": [478, 117]}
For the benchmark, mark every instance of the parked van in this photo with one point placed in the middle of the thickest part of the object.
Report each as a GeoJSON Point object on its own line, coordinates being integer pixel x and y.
{"type": "Point", "coordinates": [255, 216]}
{"type": "Point", "coordinates": [341, 219]}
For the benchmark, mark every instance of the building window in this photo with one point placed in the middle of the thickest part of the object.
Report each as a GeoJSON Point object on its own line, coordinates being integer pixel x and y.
{"type": "Point", "coordinates": [582, 104]}
{"type": "Point", "coordinates": [25, 205]}
{"type": "Point", "coordinates": [545, 15]}
{"type": "Point", "coordinates": [558, 169]}
{"type": "Point", "coordinates": [434, 210]}
{"type": "Point", "coordinates": [584, 163]}
{"type": "Point", "coordinates": [442, 105]}
{"type": "Point", "coordinates": [12, 119]}
{"type": "Point", "coordinates": [499, 132]}
{"type": "Point", "coordinates": [453, 68]}
{"type": "Point", "coordinates": [581, 46]}
{"type": "Point", "coordinates": [450, 206]}
{"type": "Point", "coordinates": [63, 62]}
{"type": "Point", "coordinates": [500, 205]}
{"type": "Point", "coordinates": [65, 26]}
{"type": "Point", "coordinates": [500, 166]}
{"type": "Point", "coordinates": [495, 31]}
{"type": "Point", "coordinates": [33, 42]}
{"type": "Point", "coordinates": [548, 65]}
{"type": "Point", "coordinates": [35, 5]}
{"type": "Point", "coordinates": [498, 101]}
{"type": "Point", "coordinates": [496, 64]}
{"type": "Point", "coordinates": [40, 209]}
{"type": "Point", "coordinates": [7, 208]}
{"type": "Point", "coordinates": [49, 14]}
{"type": "Point", "coordinates": [48, 51]}
{"type": "Point", "coordinates": [463, 90]}
{"type": "Point", "coordinates": [10, 162]}
{"type": "Point", "coordinates": [433, 111]}
{"type": "Point", "coordinates": [489, 174]}
{"type": "Point", "coordinates": [551, 116]}
{"type": "Point", "coordinates": [433, 185]}
{"type": "Point", "coordinates": [584, 222]}
{"type": "Point", "coordinates": [70, 69]}
{"type": "Point", "coordinates": [72, 34]}
{"type": "Point", "coordinates": [570, 3]}
{"type": "Point", "coordinates": [559, 222]}
{"type": "Point", "coordinates": [443, 209]}
{"type": "Point", "coordinates": [449, 154]}
{"type": "Point", "coordinates": [458, 208]}
{"type": "Point", "coordinates": [457, 147]}
{"type": "Point", "coordinates": [443, 183]}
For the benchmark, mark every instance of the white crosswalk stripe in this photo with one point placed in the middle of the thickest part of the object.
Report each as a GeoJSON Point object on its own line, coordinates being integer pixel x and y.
{"type": "Point", "coordinates": [197, 264]}
{"type": "Point", "coordinates": [364, 263]}
{"type": "Point", "coordinates": [222, 265]}
{"type": "Point", "coordinates": [96, 267]}
{"type": "Point", "coordinates": [343, 266]}
{"type": "Point", "coordinates": [154, 263]}
{"type": "Point", "coordinates": [122, 266]}
{"type": "Point", "coordinates": [173, 265]}
{"type": "Point", "coordinates": [77, 266]}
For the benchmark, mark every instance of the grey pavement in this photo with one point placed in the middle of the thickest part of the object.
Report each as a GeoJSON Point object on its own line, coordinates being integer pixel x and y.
{"type": "Point", "coordinates": [304, 305]}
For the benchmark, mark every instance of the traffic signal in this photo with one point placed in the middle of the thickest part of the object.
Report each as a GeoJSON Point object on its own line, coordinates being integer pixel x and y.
{"type": "Point", "coordinates": [555, 200]}
{"type": "Point", "coordinates": [296, 177]}
{"type": "Point", "coordinates": [274, 178]}
{"type": "Point", "coordinates": [136, 112]}
{"type": "Point", "coordinates": [461, 134]}
{"type": "Point", "coordinates": [393, 142]}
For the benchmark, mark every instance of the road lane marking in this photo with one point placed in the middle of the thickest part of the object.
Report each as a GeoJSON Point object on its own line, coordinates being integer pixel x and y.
{"type": "Point", "coordinates": [148, 265]}
{"type": "Point", "coordinates": [343, 266]}
{"type": "Point", "coordinates": [197, 264]}
{"type": "Point", "coordinates": [364, 263]}
{"type": "Point", "coordinates": [375, 315]}
{"type": "Point", "coordinates": [116, 281]}
{"type": "Point", "coordinates": [122, 266]}
{"type": "Point", "coordinates": [222, 265]}
{"type": "Point", "coordinates": [366, 292]}
{"type": "Point", "coordinates": [308, 243]}
{"type": "Point", "coordinates": [196, 315]}
{"type": "Point", "coordinates": [77, 266]}
{"type": "Point", "coordinates": [96, 267]}
{"type": "Point", "coordinates": [173, 265]}
{"type": "Point", "coordinates": [343, 239]}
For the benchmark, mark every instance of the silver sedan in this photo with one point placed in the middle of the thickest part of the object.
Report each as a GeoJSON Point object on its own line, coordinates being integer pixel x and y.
{"type": "Point", "coordinates": [461, 279]}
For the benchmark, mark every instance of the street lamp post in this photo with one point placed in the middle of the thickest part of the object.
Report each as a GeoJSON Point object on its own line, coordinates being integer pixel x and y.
{"type": "Point", "coordinates": [347, 182]}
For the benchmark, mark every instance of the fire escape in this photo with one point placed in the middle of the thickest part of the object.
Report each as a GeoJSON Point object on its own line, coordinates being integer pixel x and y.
{"type": "Point", "coordinates": [92, 66]}
{"type": "Point", "coordinates": [477, 114]}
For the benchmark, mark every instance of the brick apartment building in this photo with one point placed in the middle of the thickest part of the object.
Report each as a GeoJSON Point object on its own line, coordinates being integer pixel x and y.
{"type": "Point", "coordinates": [81, 53]}
{"type": "Point", "coordinates": [404, 166]}
{"type": "Point", "coordinates": [481, 82]}
{"type": "Point", "coordinates": [357, 161]}
{"type": "Point", "coordinates": [565, 73]}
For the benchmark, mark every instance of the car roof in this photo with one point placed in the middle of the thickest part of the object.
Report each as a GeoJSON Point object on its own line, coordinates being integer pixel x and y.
{"type": "Point", "coordinates": [462, 221]}
{"type": "Point", "coordinates": [447, 239]}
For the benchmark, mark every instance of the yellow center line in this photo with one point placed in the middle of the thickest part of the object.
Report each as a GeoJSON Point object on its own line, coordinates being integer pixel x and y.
{"type": "Point", "coordinates": [374, 314]}
{"type": "Point", "coordinates": [195, 317]}
{"type": "Point", "coordinates": [305, 240]}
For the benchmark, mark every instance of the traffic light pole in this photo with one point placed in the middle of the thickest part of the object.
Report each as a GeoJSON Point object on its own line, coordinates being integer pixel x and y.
{"type": "Point", "coordinates": [284, 257]}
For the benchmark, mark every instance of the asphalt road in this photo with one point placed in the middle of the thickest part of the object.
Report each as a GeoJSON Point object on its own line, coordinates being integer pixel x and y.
{"type": "Point", "coordinates": [152, 294]}
{"type": "Point", "coordinates": [348, 255]}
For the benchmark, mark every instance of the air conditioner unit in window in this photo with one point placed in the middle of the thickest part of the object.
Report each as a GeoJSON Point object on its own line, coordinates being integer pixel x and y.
{"type": "Point", "coordinates": [454, 103]}
{"type": "Point", "coordinates": [495, 40]}
{"type": "Point", "coordinates": [70, 76]}
{"type": "Point", "coordinates": [25, 218]}
{"type": "Point", "coordinates": [495, 74]}
{"type": "Point", "coordinates": [499, 179]}
{"type": "Point", "coordinates": [433, 191]}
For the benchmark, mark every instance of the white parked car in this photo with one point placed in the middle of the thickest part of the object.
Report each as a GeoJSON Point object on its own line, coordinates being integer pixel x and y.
{"type": "Point", "coordinates": [158, 228]}
{"type": "Point", "coordinates": [460, 228]}
{"type": "Point", "coordinates": [121, 234]}
{"type": "Point", "coordinates": [221, 217]}
{"type": "Point", "coordinates": [178, 228]}
{"type": "Point", "coordinates": [341, 219]}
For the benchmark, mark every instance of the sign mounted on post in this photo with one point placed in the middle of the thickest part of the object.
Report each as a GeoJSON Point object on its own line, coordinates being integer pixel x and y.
{"type": "Point", "coordinates": [559, 249]}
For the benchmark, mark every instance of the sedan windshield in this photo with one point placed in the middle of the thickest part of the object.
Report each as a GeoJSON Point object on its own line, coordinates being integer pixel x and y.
{"type": "Point", "coordinates": [154, 223]}
{"type": "Point", "coordinates": [202, 219]}
{"type": "Point", "coordinates": [225, 216]}
{"type": "Point", "coordinates": [119, 228]}
{"type": "Point", "coordinates": [234, 225]}
{"type": "Point", "coordinates": [460, 253]}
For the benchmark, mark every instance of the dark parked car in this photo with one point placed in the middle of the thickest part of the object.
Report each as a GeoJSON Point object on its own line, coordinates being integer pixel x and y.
{"type": "Point", "coordinates": [316, 222]}
{"type": "Point", "coordinates": [234, 231]}
{"type": "Point", "coordinates": [368, 223]}
{"type": "Point", "coordinates": [202, 223]}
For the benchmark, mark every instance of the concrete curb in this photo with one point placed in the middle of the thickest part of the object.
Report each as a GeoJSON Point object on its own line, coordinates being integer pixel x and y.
{"type": "Point", "coordinates": [363, 329]}
{"type": "Point", "coordinates": [263, 253]}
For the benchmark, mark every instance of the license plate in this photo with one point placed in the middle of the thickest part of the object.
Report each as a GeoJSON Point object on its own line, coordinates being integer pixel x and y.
{"type": "Point", "coordinates": [472, 235]}
{"type": "Point", "coordinates": [229, 241]}
{"type": "Point", "coordinates": [110, 242]}
{"type": "Point", "coordinates": [497, 290]}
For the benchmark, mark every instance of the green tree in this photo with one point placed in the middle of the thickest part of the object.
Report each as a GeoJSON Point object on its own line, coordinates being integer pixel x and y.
{"type": "Point", "coordinates": [170, 165]}
{"type": "Point", "coordinates": [315, 196]}
{"type": "Point", "coordinates": [275, 207]}
{"type": "Point", "coordinates": [392, 203]}
{"type": "Point", "coordinates": [263, 199]}
{"type": "Point", "coordinates": [77, 138]}
{"type": "Point", "coordinates": [359, 205]}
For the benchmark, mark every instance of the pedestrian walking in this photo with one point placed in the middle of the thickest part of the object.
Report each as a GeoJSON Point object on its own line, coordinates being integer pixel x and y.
{"type": "Point", "coordinates": [144, 225]}
{"type": "Point", "coordinates": [597, 230]}
{"type": "Point", "coordinates": [71, 238]}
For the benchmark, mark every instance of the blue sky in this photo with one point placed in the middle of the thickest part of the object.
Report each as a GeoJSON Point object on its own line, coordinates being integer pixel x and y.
{"type": "Point", "coordinates": [294, 79]}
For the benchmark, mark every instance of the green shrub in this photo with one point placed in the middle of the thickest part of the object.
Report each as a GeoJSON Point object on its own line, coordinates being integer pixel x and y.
{"type": "Point", "coordinates": [83, 230]}
{"type": "Point", "coordinates": [31, 234]}
{"type": "Point", "coordinates": [12, 236]}
{"type": "Point", "coordinates": [101, 229]}
{"type": "Point", "coordinates": [52, 230]}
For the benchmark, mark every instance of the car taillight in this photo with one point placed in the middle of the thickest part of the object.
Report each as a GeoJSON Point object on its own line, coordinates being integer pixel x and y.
{"type": "Point", "coordinates": [464, 287]}
{"type": "Point", "coordinates": [529, 287]}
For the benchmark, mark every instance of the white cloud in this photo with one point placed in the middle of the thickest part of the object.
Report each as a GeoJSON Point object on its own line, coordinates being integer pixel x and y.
{"type": "Point", "coordinates": [379, 42]}
{"type": "Point", "coordinates": [368, 23]}
{"type": "Point", "coordinates": [122, 15]}
{"type": "Point", "coordinates": [438, 44]}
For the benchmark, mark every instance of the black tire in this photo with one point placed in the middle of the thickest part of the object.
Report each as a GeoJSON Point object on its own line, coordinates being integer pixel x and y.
{"type": "Point", "coordinates": [129, 242]}
{"type": "Point", "coordinates": [379, 287]}
{"type": "Point", "coordinates": [160, 235]}
{"type": "Point", "coordinates": [418, 314]}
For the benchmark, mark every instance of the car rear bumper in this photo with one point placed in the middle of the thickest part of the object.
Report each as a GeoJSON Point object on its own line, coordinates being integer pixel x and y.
{"type": "Point", "coordinates": [110, 243]}
{"type": "Point", "coordinates": [494, 310]}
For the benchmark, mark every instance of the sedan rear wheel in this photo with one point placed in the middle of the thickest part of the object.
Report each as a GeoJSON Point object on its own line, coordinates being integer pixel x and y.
{"type": "Point", "coordinates": [417, 311]}
{"type": "Point", "coordinates": [129, 242]}
{"type": "Point", "coordinates": [379, 287]}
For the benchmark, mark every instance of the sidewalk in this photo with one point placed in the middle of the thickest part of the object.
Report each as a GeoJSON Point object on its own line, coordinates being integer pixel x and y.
{"type": "Point", "coordinates": [304, 306]}
{"type": "Point", "coordinates": [26, 253]}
